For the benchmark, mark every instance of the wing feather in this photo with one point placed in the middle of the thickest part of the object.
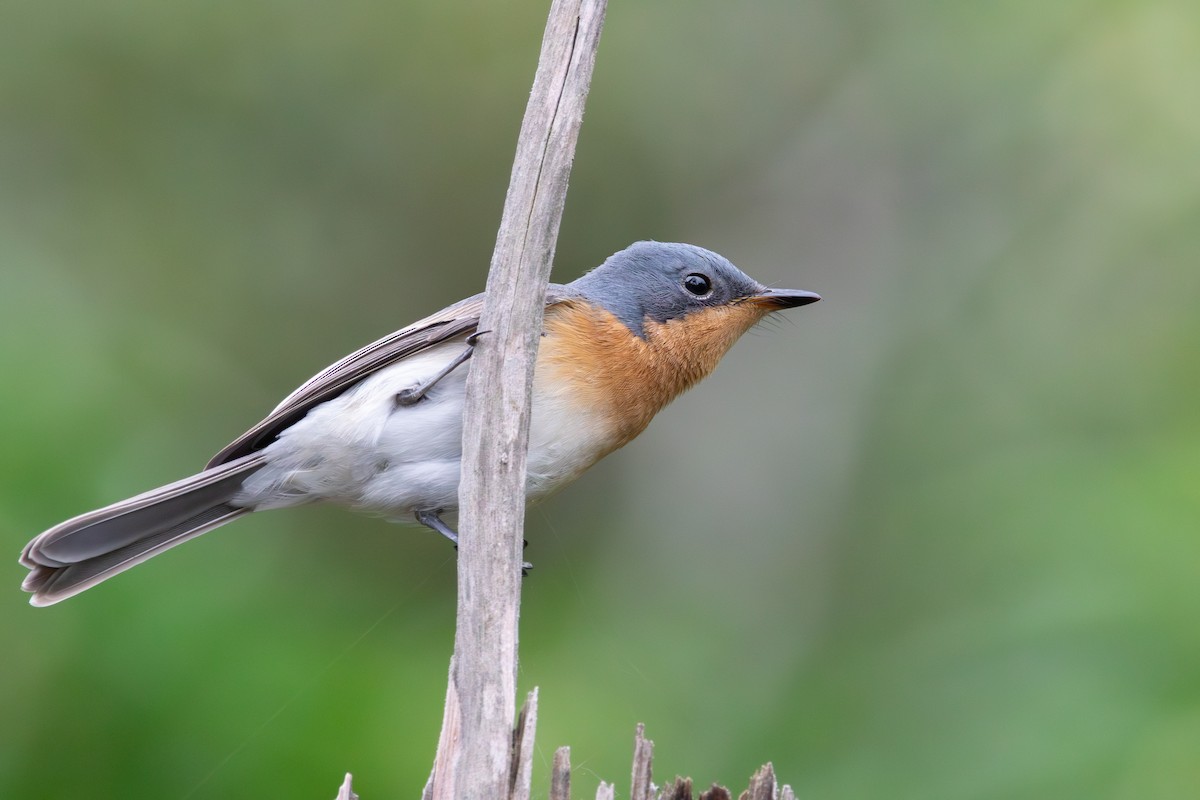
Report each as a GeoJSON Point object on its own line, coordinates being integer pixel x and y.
{"type": "Point", "coordinates": [459, 319]}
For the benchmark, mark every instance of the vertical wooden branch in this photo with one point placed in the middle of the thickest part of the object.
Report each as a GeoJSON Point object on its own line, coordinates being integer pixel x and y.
{"type": "Point", "coordinates": [345, 792]}
{"type": "Point", "coordinates": [560, 775]}
{"type": "Point", "coordinates": [643, 762]}
{"type": "Point", "coordinates": [474, 752]}
{"type": "Point", "coordinates": [522, 752]}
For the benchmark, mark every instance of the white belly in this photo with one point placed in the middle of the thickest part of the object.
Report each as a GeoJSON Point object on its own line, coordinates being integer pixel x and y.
{"type": "Point", "coordinates": [362, 450]}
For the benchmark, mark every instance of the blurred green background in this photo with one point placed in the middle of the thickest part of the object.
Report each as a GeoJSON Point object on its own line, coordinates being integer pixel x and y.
{"type": "Point", "coordinates": [935, 537]}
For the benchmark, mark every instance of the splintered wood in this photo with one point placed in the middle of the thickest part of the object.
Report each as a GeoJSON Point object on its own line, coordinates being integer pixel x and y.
{"type": "Point", "coordinates": [762, 784]}
{"type": "Point", "coordinates": [560, 775]}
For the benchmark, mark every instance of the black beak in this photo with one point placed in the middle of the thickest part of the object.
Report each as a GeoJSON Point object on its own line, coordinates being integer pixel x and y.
{"type": "Point", "coordinates": [785, 298]}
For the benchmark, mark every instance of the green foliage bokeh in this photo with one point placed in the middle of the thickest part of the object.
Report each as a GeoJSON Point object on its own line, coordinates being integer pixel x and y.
{"type": "Point", "coordinates": [934, 537]}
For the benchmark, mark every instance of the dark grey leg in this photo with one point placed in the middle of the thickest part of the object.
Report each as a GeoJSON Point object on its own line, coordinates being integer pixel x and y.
{"type": "Point", "coordinates": [413, 394]}
{"type": "Point", "coordinates": [431, 520]}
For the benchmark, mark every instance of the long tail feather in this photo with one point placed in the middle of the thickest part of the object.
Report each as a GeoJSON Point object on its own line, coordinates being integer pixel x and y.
{"type": "Point", "coordinates": [90, 548]}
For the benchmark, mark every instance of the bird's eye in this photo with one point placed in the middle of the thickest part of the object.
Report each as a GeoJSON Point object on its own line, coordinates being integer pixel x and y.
{"type": "Point", "coordinates": [697, 284]}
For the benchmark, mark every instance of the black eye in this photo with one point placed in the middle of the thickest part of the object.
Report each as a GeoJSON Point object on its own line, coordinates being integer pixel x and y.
{"type": "Point", "coordinates": [697, 284]}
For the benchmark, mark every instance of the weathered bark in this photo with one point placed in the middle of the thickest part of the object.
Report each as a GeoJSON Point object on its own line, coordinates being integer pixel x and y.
{"type": "Point", "coordinates": [474, 758]}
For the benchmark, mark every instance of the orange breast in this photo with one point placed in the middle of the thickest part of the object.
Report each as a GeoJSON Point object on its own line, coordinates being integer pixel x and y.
{"type": "Point", "coordinates": [602, 365]}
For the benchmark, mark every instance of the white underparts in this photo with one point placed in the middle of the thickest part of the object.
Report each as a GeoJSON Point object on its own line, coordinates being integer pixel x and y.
{"type": "Point", "coordinates": [364, 450]}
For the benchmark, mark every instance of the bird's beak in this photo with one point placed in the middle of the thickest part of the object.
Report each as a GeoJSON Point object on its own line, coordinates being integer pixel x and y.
{"type": "Point", "coordinates": [776, 299]}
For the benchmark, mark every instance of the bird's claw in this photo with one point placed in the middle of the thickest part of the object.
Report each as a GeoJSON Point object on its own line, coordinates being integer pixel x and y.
{"type": "Point", "coordinates": [413, 394]}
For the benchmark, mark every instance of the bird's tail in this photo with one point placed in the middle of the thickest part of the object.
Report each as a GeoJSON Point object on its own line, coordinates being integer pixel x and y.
{"type": "Point", "coordinates": [93, 547]}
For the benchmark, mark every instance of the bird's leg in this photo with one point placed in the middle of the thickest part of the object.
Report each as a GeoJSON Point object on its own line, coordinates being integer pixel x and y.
{"type": "Point", "coordinates": [432, 520]}
{"type": "Point", "coordinates": [413, 394]}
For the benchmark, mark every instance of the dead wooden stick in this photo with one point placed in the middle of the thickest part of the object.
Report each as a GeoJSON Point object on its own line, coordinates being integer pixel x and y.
{"type": "Point", "coordinates": [474, 752]}
{"type": "Point", "coordinates": [560, 775]}
{"type": "Point", "coordinates": [643, 766]}
{"type": "Point", "coordinates": [522, 748]}
{"type": "Point", "coordinates": [345, 792]}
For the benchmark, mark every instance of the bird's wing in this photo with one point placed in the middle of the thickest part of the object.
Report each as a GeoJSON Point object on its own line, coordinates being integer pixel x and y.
{"type": "Point", "coordinates": [459, 319]}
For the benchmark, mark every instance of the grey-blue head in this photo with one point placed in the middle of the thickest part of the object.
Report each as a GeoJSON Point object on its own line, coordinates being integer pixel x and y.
{"type": "Point", "coordinates": [660, 281]}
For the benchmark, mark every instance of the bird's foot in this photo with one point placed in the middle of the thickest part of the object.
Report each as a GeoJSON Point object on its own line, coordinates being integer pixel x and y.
{"type": "Point", "coordinates": [433, 521]}
{"type": "Point", "coordinates": [413, 394]}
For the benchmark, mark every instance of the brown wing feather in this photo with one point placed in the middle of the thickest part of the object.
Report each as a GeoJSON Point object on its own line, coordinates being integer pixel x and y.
{"type": "Point", "coordinates": [459, 319]}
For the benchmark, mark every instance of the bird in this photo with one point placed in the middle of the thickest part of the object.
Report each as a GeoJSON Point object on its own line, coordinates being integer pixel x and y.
{"type": "Point", "coordinates": [380, 431]}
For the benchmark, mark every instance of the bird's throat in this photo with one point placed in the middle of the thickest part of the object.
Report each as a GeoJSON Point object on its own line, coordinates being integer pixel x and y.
{"type": "Point", "coordinates": [628, 379]}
